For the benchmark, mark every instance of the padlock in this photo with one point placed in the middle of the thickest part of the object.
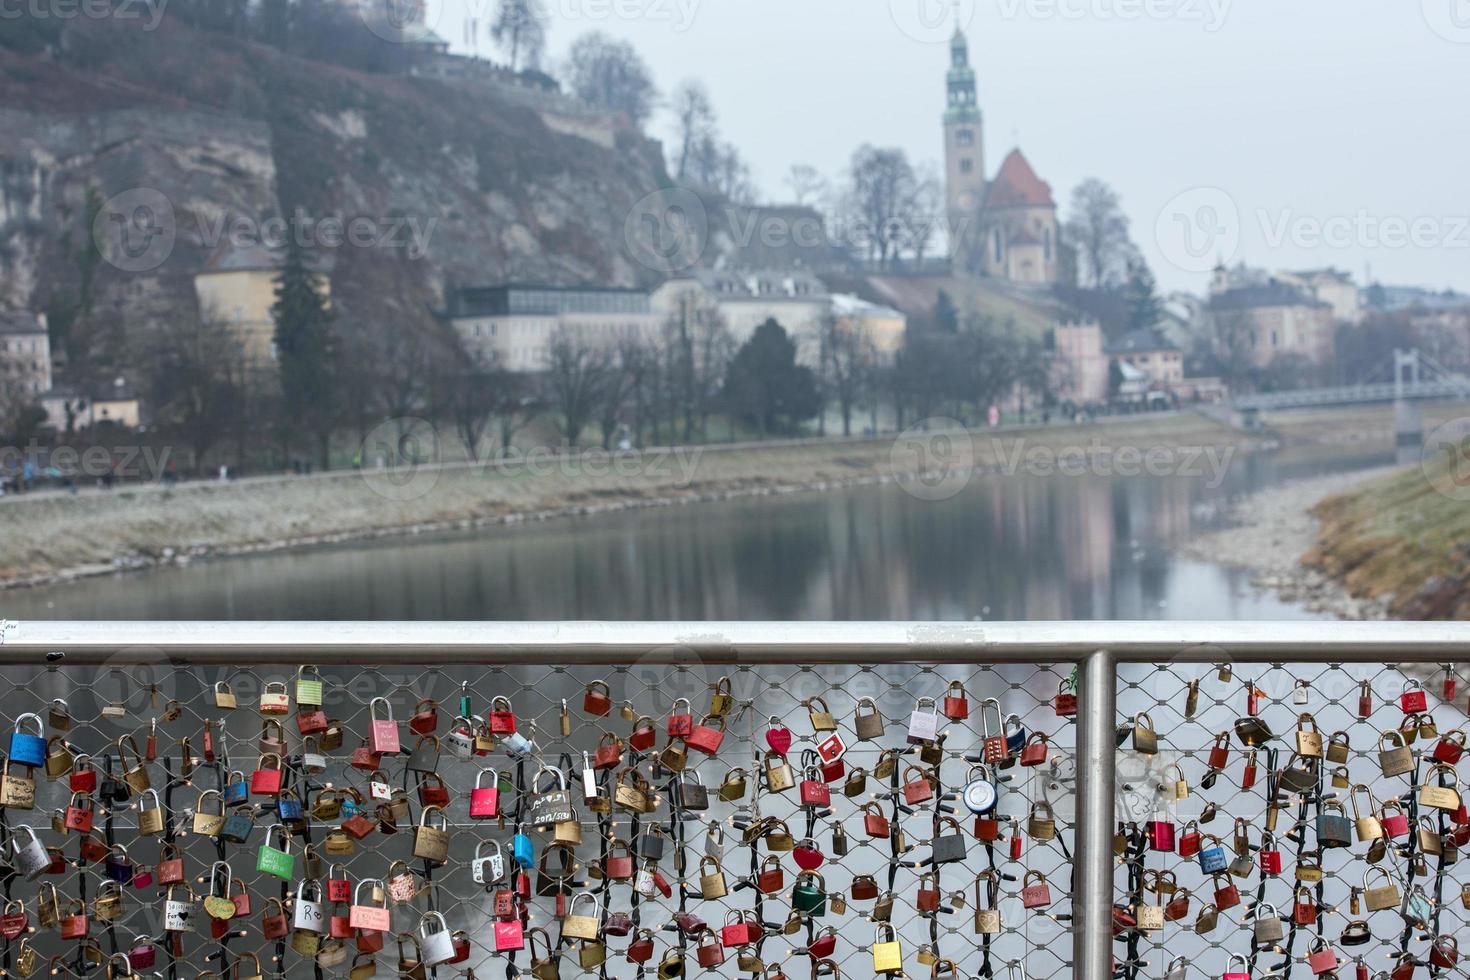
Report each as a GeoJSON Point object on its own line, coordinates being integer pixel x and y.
{"type": "Point", "coordinates": [924, 724]}
{"type": "Point", "coordinates": [680, 723]}
{"type": "Point", "coordinates": [1145, 738]}
{"type": "Point", "coordinates": [1384, 896]}
{"type": "Point", "coordinates": [371, 913]}
{"type": "Point", "coordinates": [431, 841]}
{"type": "Point", "coordinates": [869, 725]}
{"type": "Point", "coordinates": [711, 878]}
{"type": "Point", "coordinates": [987, 910]}
{"type": "Point", "coordinates": [706, 737]}
{"type": "Point", "coordinates": [918, 788]}
{"type": "Point", "coordinates": [383, 730]}
{"type": "Point", "coordinates": [1413, 699]}
{"type": "Point", "coordinates": [675, 755]}
{"type": "Point", "coordinates": [927, 899]}
{"type": "Point", "coordinates": [1397, 759]}
{"type": "Point", "coordinates": [306, 908]}
{"type": "Point", "coordinates": [508, 936]}
{"type": "Point", "coordinates": [1308, 739]}
{"type": "Point", "coordinates": [809, 894]}
{"type": "Point", "coordinates": [956, 702]}
{"type": "Point", "coordinates": [1440, 797]}
{"type": "Point", "coordinates": [552, 804]}
{"type": "Point", "coordinates": [1304, 908]}
{"type": "Point", "coordinates": [1320, 957]}
{"type": "Point", "coordinates": [1333, 828]}
{"type": "Point", "coordinates": [1267, 928]}
{"type": "Point", "coordinates": [267, 778]}
{"type": "Point", "coordinates": [276, 861]}
{"type": "Point", "coordinates": [1227, 894]}
{"type": "Point", "coordinates": [502, 716]}
{"type": "Point", "coordinates": [1232, 974]}
{"type": "Point", "coordinates": [1034, 752]}
{"type": "Point", "coordinates": [178, 913]}
{"type": "Point", "coordinates": [948, 848]}
{"type": "Point", "coordinates": [779, 777]}
{"type": "Point", "coordinates": [887, 953]}
{"type": "Point", "coordinates": [16, 791]}
{"type": "Point", "coordinates": [273, 698]}
{"type": "Point", "coordinates": [1041, 824]}
{"type": "Point", "coordinates": [485, 800]}
{"type": "Point", "coordinates": [1035, 892]}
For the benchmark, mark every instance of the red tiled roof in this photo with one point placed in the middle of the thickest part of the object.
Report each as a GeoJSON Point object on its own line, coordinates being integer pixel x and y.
{"type": "Point", "coordinates": [1018, 186]}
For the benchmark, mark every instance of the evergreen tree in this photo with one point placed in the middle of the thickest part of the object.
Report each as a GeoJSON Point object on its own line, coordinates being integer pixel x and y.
{"type": "Point", "coordinates": [946, 317]}
{"type": "Point", "coordinates": [1141, 295]}
{"type": "Point", "coordinates": [764, 385]}
{"type": "Point", "coordinates": [305, 350]}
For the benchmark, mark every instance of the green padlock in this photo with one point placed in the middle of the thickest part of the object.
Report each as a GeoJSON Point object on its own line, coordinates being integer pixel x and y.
{"type": "Point", "coordinates": [308, 689]}
{"type": "Point", "coordinates": [271, 861]}
{"type": "Point", "coordinates": [810, 894]}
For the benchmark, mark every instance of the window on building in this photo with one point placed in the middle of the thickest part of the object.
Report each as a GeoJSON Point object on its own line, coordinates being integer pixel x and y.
{"type": "Point", "coordinates": [967, 166]}
{"type": "Point", "coordinates": [965, 137]}
{"type": "Point", "coordinates": [999, 248]}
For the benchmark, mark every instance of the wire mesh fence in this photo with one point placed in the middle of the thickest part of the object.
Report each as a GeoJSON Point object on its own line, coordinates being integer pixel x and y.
{"type": "Point", "coordinates": [1291, 820]}
{"type": "Point", "coordinates": [755, 858]}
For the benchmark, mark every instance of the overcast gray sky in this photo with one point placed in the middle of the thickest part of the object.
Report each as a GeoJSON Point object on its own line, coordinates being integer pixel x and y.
{"type": "Point", "coordinates": [1290, 135]}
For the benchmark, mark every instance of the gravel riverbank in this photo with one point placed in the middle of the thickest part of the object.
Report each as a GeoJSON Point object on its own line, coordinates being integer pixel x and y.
{"type": "Point", "coordinates": [1271, 532]}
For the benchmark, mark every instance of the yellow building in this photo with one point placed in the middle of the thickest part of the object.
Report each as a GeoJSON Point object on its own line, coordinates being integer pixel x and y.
{"type": "Point", "coordinates": [882, 327]}
{"type": "Point", "coordinates": [238, 286]}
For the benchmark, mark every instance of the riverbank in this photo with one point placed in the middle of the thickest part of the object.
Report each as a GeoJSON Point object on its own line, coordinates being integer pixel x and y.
{"type": "Point", "coordinates": [1401, 540]}
{"type": "Point", "coordinates": [1272, 535]}
{"type": "Point", "coordinates": [60, 538]}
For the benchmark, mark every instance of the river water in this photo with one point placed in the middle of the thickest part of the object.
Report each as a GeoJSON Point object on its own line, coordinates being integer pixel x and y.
{"type": "Point", "coordinates": [1026, 547]}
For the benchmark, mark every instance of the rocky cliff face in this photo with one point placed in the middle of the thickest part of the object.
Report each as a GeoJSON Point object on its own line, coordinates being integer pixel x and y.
{"type": "Point", "coordinates": [137, 140]}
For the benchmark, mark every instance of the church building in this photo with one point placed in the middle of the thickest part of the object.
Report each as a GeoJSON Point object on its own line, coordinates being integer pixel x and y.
{"type": "Point", "coordinates": [1005, 228]}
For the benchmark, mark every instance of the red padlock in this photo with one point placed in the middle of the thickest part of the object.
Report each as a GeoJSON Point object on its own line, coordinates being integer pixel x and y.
{"type": "Point", "coordinates": [1034, 752]}
{"type": "Point", "coordinates": [1015, 841]}
{"type": "Point", "coordinates": [824, 945]}
{"type": "Point", "coordinates": [1190, 841]}
{"type": "Point", "coordinates": [1161, 835]}
{"type": "Point", "coordinates": [956, 706]}
{"type": "Point", "coordinates": [1304, 908]}
{"type": "Point", "coordinates": [814, 792]}
{"type": "Point", "coordinates": [644, 735]}
{"type": "Point", "coordinates": [1449, 749]}
{"type": "Point", "coordinates": [681, 723]}
{"type": "Point", "coordinates": [1227, 896]}
{"type": "Point", "coordinates": [874, 822]}
{"type": "Point", "coordinates": [1321, 958]}
{"type": "Point", "coordinates": [266, 781]}
{"type": "Point", "coordinates": [705, 737]}
{"type": "Point", "coordinates": [919, 789]}
{"type": "Point", "coordinates": [1365, 700]}
{"type": "Point", "coordinates": [598, 699]}
{"type": "Point", "coordinates": [485, 800]}
{"type": "Point", "coordinates": [502, 717]}
{"type": "Point", "coordinates": [1065, 703]}
{"type": "Point", "coordinates": [1220, 751]}
{"type": "Point", "coordinates": [1413, 700]}
{"type": "Point", "coordinates": [1248, 776]}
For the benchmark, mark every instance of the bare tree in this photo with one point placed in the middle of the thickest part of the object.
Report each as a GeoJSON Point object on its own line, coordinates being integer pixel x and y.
{"type": "Point", "coordinates": [609, 73]}
{"type": "Point", "coordinates": [1098, 230]}
{"type": "Point", "coordinates": [881, 191]}
{"type": "Point", "coordinates": [694, 122]}
{"type": "Point", "coordinates": [922, 211]}
{"type": "Point", "coordinates": [575, 382]}
{"type": "Point", "coordinates": [848, 354]}
{"type": "Point", "coordinates": [807, 185]}
{"type": "Point", "coordinates": [520, 30]}
{"type": "Point", "coordinates": [197, 379]}
{"type": "Point", "coordinates": [699, 348]}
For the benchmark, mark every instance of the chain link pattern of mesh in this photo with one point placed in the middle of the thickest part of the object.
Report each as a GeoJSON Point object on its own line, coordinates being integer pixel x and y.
{"type": "Point", "coordinates": [173, 703]}
{"type": "Point", "coordinates": [1229, 806]}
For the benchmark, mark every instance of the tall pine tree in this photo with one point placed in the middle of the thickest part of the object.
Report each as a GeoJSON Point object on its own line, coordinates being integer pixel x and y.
{"type": "Point", "coordinates": [1141, 297]}
{"type": "Point", "coordinates": [306, 351]}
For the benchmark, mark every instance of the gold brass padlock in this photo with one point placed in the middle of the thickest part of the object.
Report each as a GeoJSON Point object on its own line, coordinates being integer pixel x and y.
{"type": "Point", "coordinates": [778, 773]}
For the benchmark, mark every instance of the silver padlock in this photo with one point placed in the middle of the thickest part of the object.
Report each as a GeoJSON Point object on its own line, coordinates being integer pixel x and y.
{"type": "Point", "coordinates": [924, 725]}
{"type": "Point", "coordinates": [461, 738]}
{"type": "Point", "coordinates": [644, 884]}
{"type": "Point", "coordinates": [436, 944]}
{"type": "Point", "coordinates": [589, 780]}
{"type": "Point", "coordinates": [487, 869]}
{"type": "Point", "coordinates": [30, 854]}
{"type": "Point", "coordinates": [714, 839]}
{"type": "Point", "coordinates": [178, 914]}
{"type": "Point", "coordinates": [306, 909]}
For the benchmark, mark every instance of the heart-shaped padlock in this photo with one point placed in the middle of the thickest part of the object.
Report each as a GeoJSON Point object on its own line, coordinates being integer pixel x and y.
{"type": "Point", "coordinates": [778, 737]}
{"type": "Point", "coordinates": [807, 857]}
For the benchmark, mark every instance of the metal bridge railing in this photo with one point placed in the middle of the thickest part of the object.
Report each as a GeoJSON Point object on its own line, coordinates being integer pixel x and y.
{"type": "Point", "coordinates": [115, 676]}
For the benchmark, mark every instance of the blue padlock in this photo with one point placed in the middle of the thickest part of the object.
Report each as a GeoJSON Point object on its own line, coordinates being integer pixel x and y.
{"type": "Point", "coordinates": [28, 750]}
{"type": "Point", "coordinates": [517, 746]}
{"type": "Point", "coordinates": [119, 866]}
{"type": "Point", "coordinates": [236, 790]}
{"type": "Point", "coordinates": [522, 851]}
{"type": "Point", "coordinates": [1212, 859]}
{"type": "Point", "coordinates": [350, 807]}
{"type": "Point", "coordinates": [1015, 740]}
{"type": "Point", "coordinates": [289, 811]}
